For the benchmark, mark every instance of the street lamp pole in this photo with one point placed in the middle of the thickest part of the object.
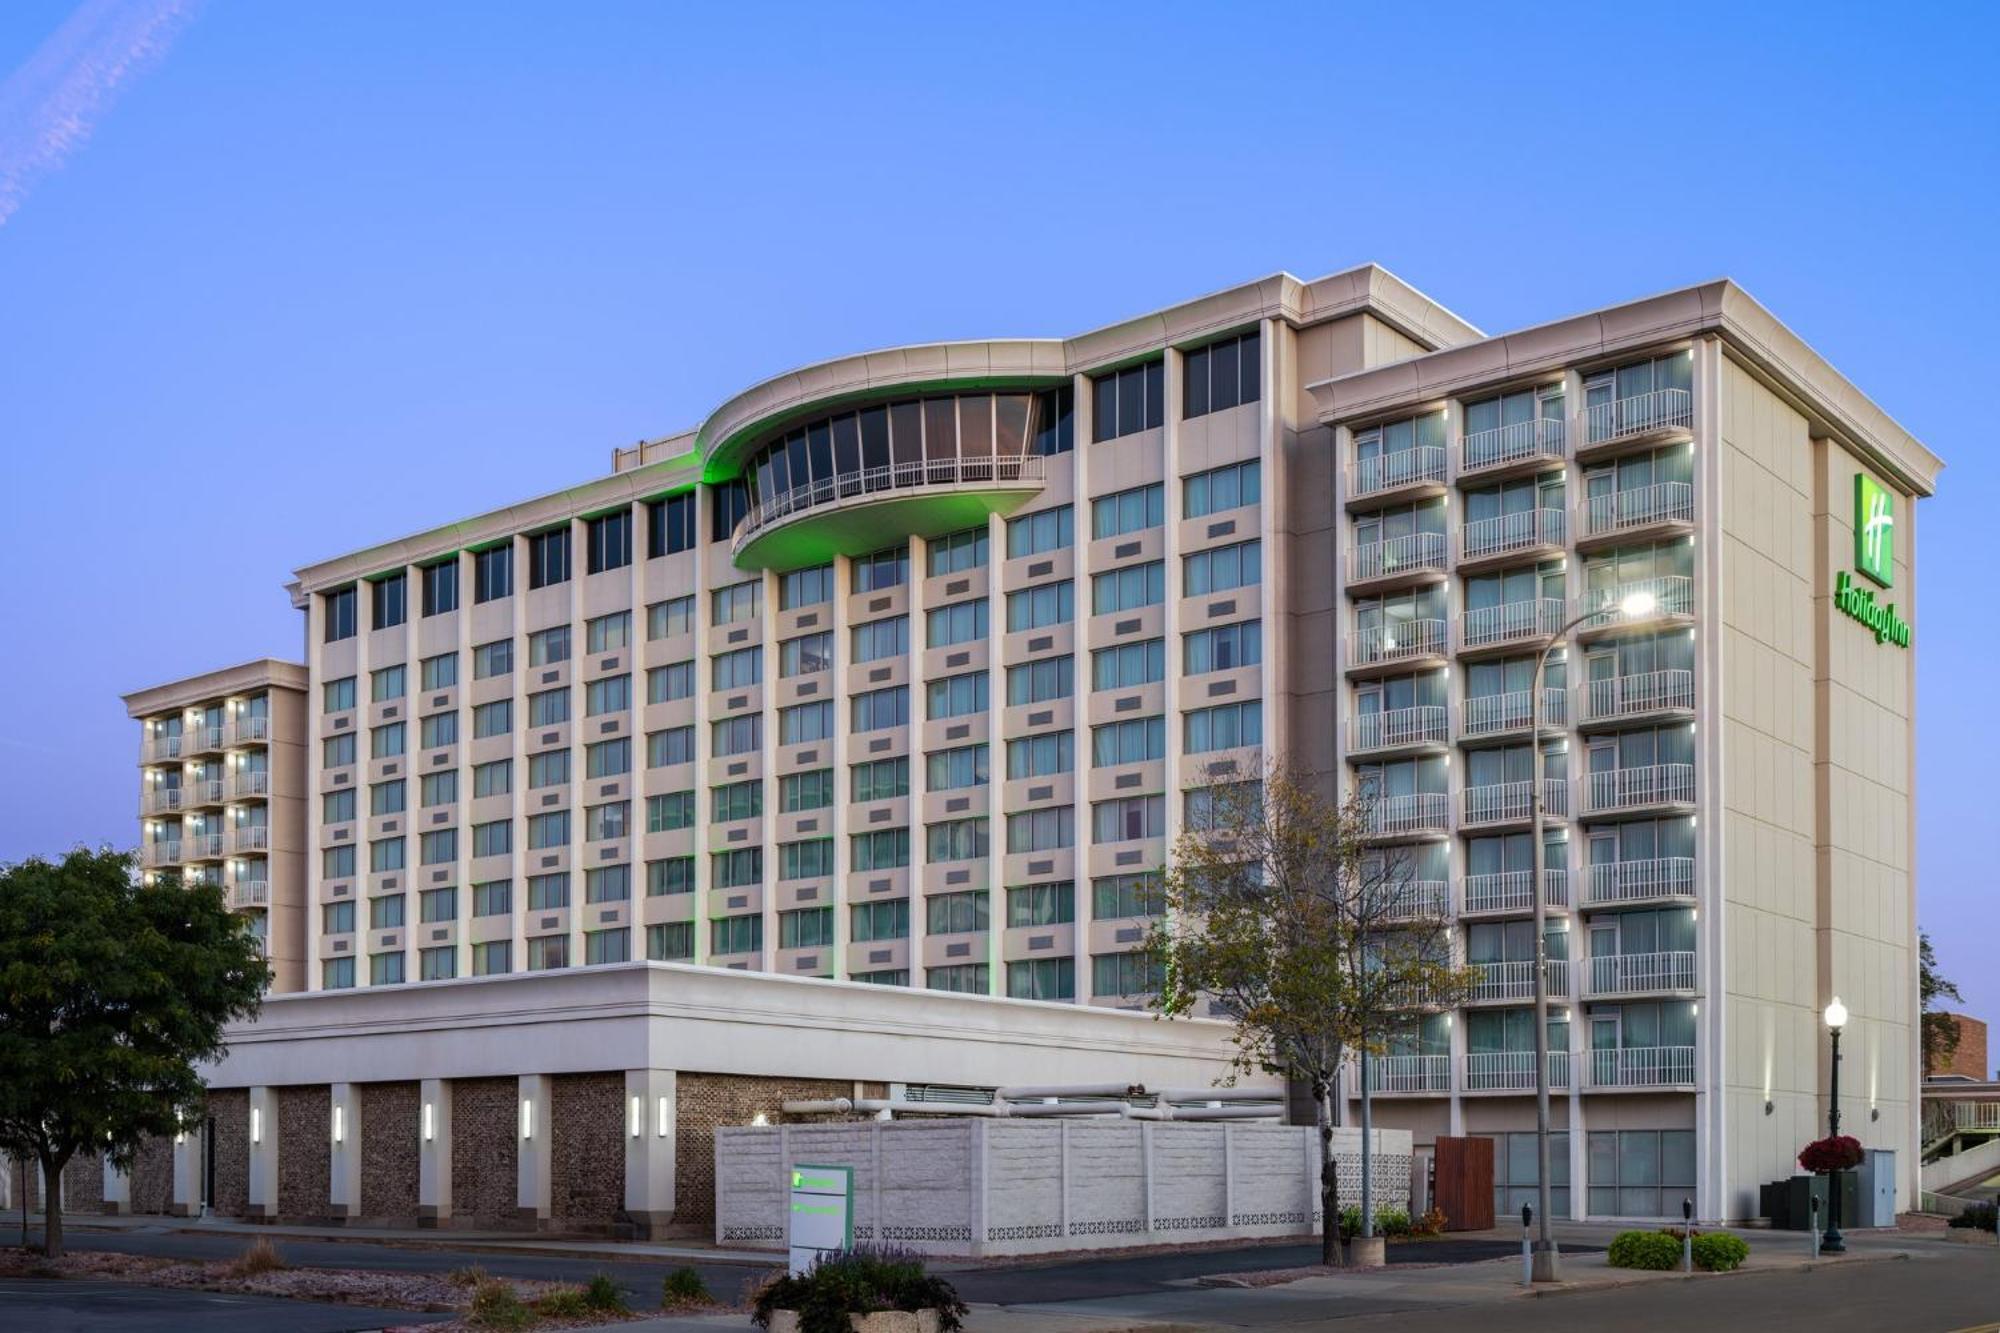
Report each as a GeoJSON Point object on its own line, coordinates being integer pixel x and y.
{"type": "Point", "coordinates": [1831, 1242]}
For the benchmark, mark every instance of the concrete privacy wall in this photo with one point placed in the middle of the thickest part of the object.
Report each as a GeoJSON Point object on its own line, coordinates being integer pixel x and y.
{"type": "Point", "coordinates": [982, 1187]}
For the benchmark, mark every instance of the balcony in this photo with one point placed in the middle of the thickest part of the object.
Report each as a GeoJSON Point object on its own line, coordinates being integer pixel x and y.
{"type": "Point", "coordinates": [1423, 465]}
{"type": "Point", "coordinates": [1409, 1073]}
{"type": "Point", "coordinates": [1409, 813]}
{"type": "Point", "coordinates": [159, 749]}
{"type": "Point", "coordinates": [862, 510]}
{"type": "Point", "coordinates": [1672, 596]}
{"type": "Point", "coordinates": [1412, 556]}
{"type": "Point", "coordinates": [1626, 883]}
{"type": "Point", "coordinates": [1516, 981]}
{"type": "Point", "coordinates": [160, 801]}
{"type": "Point", "coordinates": [1645, 694]}
{"type": "Point", "coordinates": [1644, 417]}
{"type": "Point", "coordinates": [203, 847]}
{"type": "Point", "coordinates": [1641, 1067]}
{"type": "Point", "coordinates": [1399, 729]}
{"type": "Point", "coordinates": [1498, 714]}
{"type": "Point", "coordinates": [1622, 513]}
{"type": "Point", "coordinates": [203, 792]}
{"type": "Point", "coordinates": [1622, 790]}
{"type": "Point", "coordinates": [1401, 641]}
{"type": "Point", "coordinates": [163, 853]}
{"type": "Point", "coordinates": [249, 838]}
{"type": "Point", "coordinates": [247, 730]}
{"type": "Point", "coordinates": [1511, 534]}
{"type": "Point", "coordinates": [248, 785]}
{"type": "Point", "coordinates": [1418, 900]}
{"type": "Point", "coordinates": [1641, 973]}
{"type": "Point", "coordinates": [246, 893]}
{"type": "Point", "coordinates": [1511, 622]}
{"type": "Point", "coordinates": [1522, 443]}
{"type": "Point", "coordinates": [1513, 802]}
{"type": "Point", "coordinates": [200, 740]}
{"type": "Point", "coordinates": [1507, 891]}
{"type": "Point", "coordinates": [1512, 1071]}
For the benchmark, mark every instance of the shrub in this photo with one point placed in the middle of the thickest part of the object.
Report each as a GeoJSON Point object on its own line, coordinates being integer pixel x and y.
{"type": "Point", "coordinates": [601, 1294]}
{"type": "Point", "coordinates": [684, 1287]}
{"type": "Point", "coordinates": [562, 1303]}
{"type": "Point", "coordinates": [260, 1256]}
{"type": "Point", "coordinates": [1388, 1222]}
{"type": "Point", "coordinates": [495, 1305]}
{"type": "Point", "coordinates": [861, 1281]}
{"type": "Point", "coordinates": [1718, 1252]}
{"type": "Point", "coordinates": [1979, 1216]}
{"type": "Point", "coordinates": [469, 1276]}
{"type": "Point", "coordinates": [1644, 1249]}
{"type": "Point", "coordinates": [1430, 1224]}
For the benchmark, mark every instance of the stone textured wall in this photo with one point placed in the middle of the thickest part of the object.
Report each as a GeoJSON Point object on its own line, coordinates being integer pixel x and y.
{"type": "Point", "coordinates": [709, 1101]}
{"type": "Point", "coordinates": [587, 1150]}
{"type": "Point", "coordinates": [390, 1125]}
{"type": "Point", "coordinates": [83, 1184]}
{"type": "Point", "coordinates": [229, 1110]}
{"type": "Point", "coordinates": [152, 1177]}
{"type": "Point", "coordinates": [305, 1152]}
{"type": "Point", "coordinates": [485, 1158]}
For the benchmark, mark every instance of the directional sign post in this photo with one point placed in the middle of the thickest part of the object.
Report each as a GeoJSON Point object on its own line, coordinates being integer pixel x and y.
{"type": "Point", "coordinates": [822, 1213]}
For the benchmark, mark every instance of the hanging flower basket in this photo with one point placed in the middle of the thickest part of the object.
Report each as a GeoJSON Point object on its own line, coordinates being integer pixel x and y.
{"type": "Point", "coordinates": [1838, 1152]}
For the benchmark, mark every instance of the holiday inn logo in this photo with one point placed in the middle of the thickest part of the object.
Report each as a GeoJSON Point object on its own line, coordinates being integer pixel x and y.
{"type": "Point", "coordinates": [1874, 529]}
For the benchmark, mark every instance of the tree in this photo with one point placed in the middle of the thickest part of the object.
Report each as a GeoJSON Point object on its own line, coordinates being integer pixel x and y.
{"type": "Point", "coordinates": [1940, 1033]}
{"type": "Point", "coordinates": [110, 992]}
{"type": "Point", "coordinates": [1282, 911]}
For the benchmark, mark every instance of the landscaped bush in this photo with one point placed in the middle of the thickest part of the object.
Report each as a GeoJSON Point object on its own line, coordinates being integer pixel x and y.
{"type": "Point", "coordinates": [1392, 1222]}
{"type": "Point", "coordinates": [1430, 1224]}
{"type": "Point", "coordinates": [1978, 1216]}
{"type": "Point", "coordinates": [861, 1281]}
{"type": "Point", "coordinates": [562, 1303]}
{"type": "Point", "coordinates": [602, 1296]}
{"type": "Point", "coordinates": [495, 1305]}
{"type": "Point", "coordinates": [469, 1276]}
{"type": "Point", "coordinates": [1718, 1252]}
{"type": "Point", "coordinates": [260, 1256]}
{"type": "Point", "coordinates": [683, 1287]}
{"type": "Point", "coordinates": [1644, 1249]}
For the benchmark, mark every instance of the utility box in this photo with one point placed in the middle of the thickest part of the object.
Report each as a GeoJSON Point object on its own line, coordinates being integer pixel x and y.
{"type": "Point", "coordinates": [1875, 1190]}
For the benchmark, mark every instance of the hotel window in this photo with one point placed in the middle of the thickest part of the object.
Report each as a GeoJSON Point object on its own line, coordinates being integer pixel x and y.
{"type": "Point", "coordinates": [1041, 830]}
{"type": "Point", "coordinates": [606, 822]}
{"type": "Point", "coordinates": [1220, 488]}
{"type": "Point", "coordinates": [439, 964]}
{"type": "Point", "coordinates": [337, 807]}
{"type": "Point", "coordinates": [547, 952]}
{"type": "Point", "coordinates": [806, 654]}
{"type": "Point", "coordinates": [385, 854]}
{"type": "Point", "coordinates": [1131, 664]}
{"type": "Point", "coordinates": [803, 722]}
{"type": "Point", "coordinates": [385, 913]}
{"type": "Point", "coordinates": [607, 634]}
{"type": "Point", "coordinates": [668, 683]}
{"type": "Point", "coordinates": [736, 934]}
{"type": "Point", "coordinates": [336, 974]}
{"type": "Point", "coordinates": [1128, 400]}
{"type": "Point", "coordinates": [435, 905]}
{"type": "Point", "coordinates": [336, 863]}
{"type": "Point", "coordinates": [339, 610]}
{"type": "Point", "coordinates": [608, 884]}
{"type": "Point", "coordinates": [960, 622]}
{"type": "Point", "coordinates": [435, 731]}
{"type": "Point", "coordinates": [548, 830]}
{"type": "Point", "coordinates": [440, 672]}
{"type": "Point", "coordinates": [493, 958]}
{"type": "Point", "coordinates": [737, 670]}
{"type": "Point", "coordinates": [1128, 589]}
{"type": "Point", "coordinates": [957, 552]}
{"type": "Point", "coordinates": [441, 587]}
{"type": "Point", "coordinates": [669, 811]}
{"type": "Point", "coordinates": [670, 525]}
{"type": "Point", "coordinates": [494, 898]}
{"type": "Point", "coordinates": [805, 587]}
{"type": "Point", "coordinates": [877, 710]}
{"type": "Point", "coordinates": [1042, 756]}
{"type": "Point", "coordinates": [337, 918]}
{"type": "Point", "coordinates": [1041, 681]}
{"type": "Point", "coordinates": [1036, 534]}
{"type": "Point", "coordinates": [881, 779]}
{"type": "Point", "coordinates": [956, 769]}
{"type": "Point", "coordinates": [956, 913]}
{"type": "Point", "coordinates": [670, 942]}
{"type": "Point", "coordinates": [548, 557]}
{"type": "Point", "coordinates": [956, 696]}
{"type": "Point", "coordinates": [493, 659]}
{"type": "Point", "coordinates": [806, 928]}
{"type": "Point", "coordinates": [546, 893]}
{"type": "Point", "coordinates": [1136, 740]}
{"type": "Point", "coordinates": [1125, 974]}
{"type": "Point", "coordinates": [873, 641]}
{"type": "Point", "coordinates": [1223, 805]}
{"type": "Point", "coordinates": [493, 779]}
{"type": "Point", "coordinates": [548, 708]}
{"type": "Point", "coordinates": [739, 869]}
{"type": "Point", "coordinates": [337, 696]}
{"type": "Point", "coordinates": [548, 646]}
{"type": "Point", "coordinates": [1223, 727]}
{"type": "Point", "coordinates": [1055, 421]}
{"type": "Point", "coordinates": [1042, 979]}
{"type": "Point", "coordinates": [1129, 818]}
{"type": "Point", "coordinates": [386, 798]}
{"type": "Point", "coordinates": [1517, 1173]}
{"type": "Point", "coordinates": [1220, 375]}
{"type": "Point", "coordinates": [882, 570]}
{"type": "Point", "coordinates": [675, 745]}
{"type": "Point", "coordinates": [609, 537]}
{"type": "Point", "coordinates": [613, 694]}
{"type": "Point", "coordinates": [389, 602]}
{"type": "Point", "coordinates": [385, 742]}
{"type": "Point", "coordinates": [895, 976]}
{"type": "Point", "coordinates": [736, 800]}
{"type": "Point", "coordinates": [811, 858]}
{"type": "Point", "coordinates": [674, 874]}
{"type": "Point", "coordinates": [884, 849]}
{"type": "Point", "coordinates": [880, 921]}
{"type": "Point", "coordinates": [493, 574]}
{"type": "Point", "coordinates": [962, 978]}
{"type": "Point", "coordinates": [673, 616]}
{"type": "Point", "coordinates": [385, 683]}
{"type": "Point", "coordinates": [1124, 512]}
{"type": "Point", "coordinates": [738, 602]}
{"type": "Point", "coordinates": [1114, 896]}
{"type": "Point", "coordinates": [956, 840]}
{"type": "Point", "coordinates": [493, 839]}
{"type": "Point", "coordinates": [550, 768]}
{"type": "Point", "coordinates": [1604, 572]}
{"type": "Point", "coordinates": [729, 501]}
{"type": "Point", "coordinates": [804, 791]}
{"type": "Point", "coordinates": [1222, 568]}
{"type": "Point", "coordinates": [1639, 1172]}
{"type": "Point", "coordinates": [1041, 606]}
{"type": "Point", "coordinates": [1223, 647]}
{"type": "Point", "coordinates": [608, 759]}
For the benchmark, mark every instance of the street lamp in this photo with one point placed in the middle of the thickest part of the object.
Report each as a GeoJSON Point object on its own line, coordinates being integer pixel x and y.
{"type": "Point", "coordinates": [1633, 606]}
{"type": "Point", "coordinates": [1831, 1242]}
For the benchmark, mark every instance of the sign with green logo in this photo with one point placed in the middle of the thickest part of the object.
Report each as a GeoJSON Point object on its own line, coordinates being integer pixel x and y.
{"type": "Point", "coordinates": [822, 1213]}
{"type": "Point", "coordinates": [1874, 529]}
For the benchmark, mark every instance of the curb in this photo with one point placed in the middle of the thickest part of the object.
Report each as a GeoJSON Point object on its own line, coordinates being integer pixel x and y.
{"type": "Point", "coordinates": [484, 1245]}
{"type": "Point", "coordinates": [1609, 1284]}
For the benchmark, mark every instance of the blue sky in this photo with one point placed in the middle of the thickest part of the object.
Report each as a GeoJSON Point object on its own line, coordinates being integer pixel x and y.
{"type": "Point", "coordinates": [325, 273]}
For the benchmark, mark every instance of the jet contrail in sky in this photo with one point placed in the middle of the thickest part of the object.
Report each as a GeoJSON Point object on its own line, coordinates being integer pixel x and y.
{"type": "Point", "coordinates": [49, 104]}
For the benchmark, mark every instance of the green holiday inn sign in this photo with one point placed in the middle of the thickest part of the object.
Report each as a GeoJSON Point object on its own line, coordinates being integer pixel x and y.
{"type": "Point", "coordinates": [1875, 560]}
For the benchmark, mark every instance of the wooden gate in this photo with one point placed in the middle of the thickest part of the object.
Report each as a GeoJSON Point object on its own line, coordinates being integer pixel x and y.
{"type": "Point", "coordinates": [1463, 1169]}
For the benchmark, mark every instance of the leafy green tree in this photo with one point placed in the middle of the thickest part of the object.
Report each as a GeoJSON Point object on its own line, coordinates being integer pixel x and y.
{"type": "Point", "coordinates": [110, 993]}
{"type": "Point", "coordinates": [1940, 1033]}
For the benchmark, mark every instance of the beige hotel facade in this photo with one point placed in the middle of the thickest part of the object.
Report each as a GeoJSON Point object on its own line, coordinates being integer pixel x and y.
{"type": "Point", "coordinates": [902, 671]}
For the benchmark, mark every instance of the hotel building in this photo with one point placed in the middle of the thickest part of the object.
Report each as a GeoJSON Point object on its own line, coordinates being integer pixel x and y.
{"type": "Point", "coordinates": [906, 669]}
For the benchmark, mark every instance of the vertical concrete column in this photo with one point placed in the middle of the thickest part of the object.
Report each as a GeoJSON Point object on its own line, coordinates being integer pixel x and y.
{"type": "Point", "coordinates": [344, 1152]}
{"type": "Point", "coordinates": [188, 1184]}
{"type": "Point", "coordinates": [117, 1190]}
{"type": "Point", "coordinates": [433, 1152]}
{"type": "Point", "coordinates": [652, 1113]}
{"type": "Point", "coordinates": [263, 1154]}
{"type": "Point", "coordinates": [531, 1130]}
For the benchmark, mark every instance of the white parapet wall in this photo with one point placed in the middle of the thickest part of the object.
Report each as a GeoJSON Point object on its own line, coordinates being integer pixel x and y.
{"type": "Point", "coordinates": [999, 1186]}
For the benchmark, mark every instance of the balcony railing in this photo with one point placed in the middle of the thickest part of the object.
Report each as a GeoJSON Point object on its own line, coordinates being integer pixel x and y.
{"type": "Point", "coordinates": [1614, 882]}
{"type": "Point", "coordinates": [1513, 532]}
{"type": "Point", "coordinates": [1516, 981]}
{"type": "Point", "coordinates": [248, 729]}
{"type": "Point", "coordinates": [1512, 1071]}
{"type": "Point", "coordinates": [1642, 414]}
{"type": "Point", "coordinates": [1409, 812]}
{"type": "Point", "coordinates": [1672, 594]}
{"type": "Point", "coordinates": [1421, 725]}
{"type": "Point", "coordinates": [1636, 695]}
{"type": "Point", "coordinates": [1520, 442]}
{"type": "Point", "coordinates": [1615, 789]}
{"type": "Point", "coordinates": [163, 853]}
{"type": "Point", "coordinates": [1405, 467]}
{"type": "Point", "coordinates": [250, 893]}
{"type": "Point", "coordinates": [204, 738]}
{"type": "Point", "coordinates": [248, 783]}
{"type": "Point", "coordinates": [1511, 802]}
{"type": "Point", "coordinates": [205, 791]}
{"type": "Point", "coordinates": [1394, 642]}
{"type": "Point", "coordinates": [1002, 470]}
{"type": "Point", "coordinates": [1641, 973]}
{"type": "Point", "coordinates": [203, 846]}
{"type": "Point", "coordinates": [1641, 1066]}
{"type": "Point", "coordinates": [160, 800]}
{"type": "Point", "coordinates": [159, 748]}
{"type": "Point", "coordinates": [1507, 891]}
{"type": "Point", "coordinates": [1496, 714]}
{"type": "Point", "coordinates": [1413, 552]}
{"type": "Point", "coordinates": [1642, 506]}
{"type": "Point", "coordinates": [250, 838]}
{"type": "Point", "coordinates": [1418, 900]}
{"type": "Point", "coordinates": [1512, 621]}
{"type": "Point", "coordinates": [1409, 1073]}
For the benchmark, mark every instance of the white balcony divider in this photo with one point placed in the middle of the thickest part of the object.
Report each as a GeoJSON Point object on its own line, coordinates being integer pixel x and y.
{"type": "Point", "coordinates": [1636, 695]}
{"type": "Point", "coordinates": [1636, 973]}
{"type": "Point", "coordinates": [1512, 1071]}
{"type": "Point", "coordinates": [1418, 900]}
{"type": "Point", "coordinates": [1634, 881]}
{"type": "Point", "coordinates": [1504, 802]}
{"type": "Point", "coordinates": [1512, 532]}
{"type": "Point", "coordinates": [1672, 594]}
{"type": "Point", "coordinates": [249, 783]}
{"type": "Point", "coordinates": [1642, 1066]}
{"type": "Point", "coordinates": [1409, 1073]}
{"type": "Point", "coordinates": [1661, 409]}
{"type": "Point", "coordinates": [1409, 812]}
{"type": "Point", "coordinates": [1392, 643]}
{"type": "Point", "coordinates": [1662, 502]}
{"type": "Point", "coordinates": [1404, 467]}
{"type": "Point", "coordinates": [1510, 621]}
{"type": "Point", "coordinates": [1413, 551]}
{"type": "Point", "coordinates": [1638, 788]}
{"type": "Point", "coordinates": [1507, 891]}
{"type": "Point", "coordinates": [1542, 437]}
{"type": "Point", "coordinates": [1002, 469]}
{"type": "Point", "coordinates": [1425, 723]}
{"type": "Point", "coordinates": [1494, 714]}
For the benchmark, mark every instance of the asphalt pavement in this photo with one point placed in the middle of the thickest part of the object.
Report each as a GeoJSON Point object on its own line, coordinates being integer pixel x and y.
{"type": "Point", "coordinates": [39, 1305]}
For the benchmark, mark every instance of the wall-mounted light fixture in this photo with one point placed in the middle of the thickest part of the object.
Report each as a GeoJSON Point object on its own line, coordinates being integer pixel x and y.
{"type": "Point", "coordinates": [430, 1122]}
{"type": "Point", "coordinates": [635, 1122]}
{"type": "Point", "coordinates": [665, 1127]}
{"type": "Point", "coordinates": [256, 1125]}
{"type": "Point", "coordinates": [527, 1118]}
{"type": "Point", "coordinates": [340, 1124]}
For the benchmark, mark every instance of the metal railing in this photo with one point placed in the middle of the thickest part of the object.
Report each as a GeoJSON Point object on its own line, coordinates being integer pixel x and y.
{"type": "Point", "coordinates": [1409, 812]}
{"type": "Point", "coordinates": [1512, 532]}
{"type": "Point", "coordinates": [1425, 723]}
{"type": "Point", "coordinates": [162, 747]}
{"type": "Point", "coordinates": [1615, 789]}
{"type": "Point", "coordinates": [250, 893]}
{"type": "Point", "coordinates": [248, 729]}
{"type": "Point", "coordinates": [1001, 470]}
{"type": "Point", "coordinates": [249, 782]}
{"type": "Point", "coordinates": [1493, 714]}
{"type": "Point", "coordinates": [1511, 621]}
{"type": "Point", "coordinates": [1672, 594]}
{"type": "Point", "coordinates": [204, 738]}
{"type": "Point", "coordinates": [1512, 1071]}
{"type": "Point", "coordinates": [1641, 414]}
{"type": "Point", "coordinates": [1507, 891]}
{"type": "Point", "coordinates": [160, 800]}
{"type": "Point", "coordinates": [1409, 1073]}
{"type": "Point", "coordinates": [1516, 981]}
{"type": "Point", "coordinates": [1943, 1118]}
{"type": "Point", "coordinates": [202, 846]}
{"type": "Point", "coordinates": [1418, 900]}
{"type": "Point", "coordinates": [1405, 467]}
{"type": "Point", "coordinates": [1509, 802]}
{"type": "Point", "coordinates": [1641, 1066]}
{"type": "Point", "coordinates": [1636, 881]}
{"type": "Point", "coordinates": [1393, 643]}
{"type": "Point", "coordinates": [1413, 552]}
{"type": "Point", "coordinates": [163, 853]}
{"type": "Point", "coordinates": [204, 791]}
{"type": "Point", "coordinates": [250, 838]}
{"type": "Point", "coordinates": [1637, 973]}
{"type": "Point", "coordinates": [1635, 695]}
{"type": "Point", "coordinates": [1662, 502]}
{"type": "Point", "coordinates": [1520, 442]}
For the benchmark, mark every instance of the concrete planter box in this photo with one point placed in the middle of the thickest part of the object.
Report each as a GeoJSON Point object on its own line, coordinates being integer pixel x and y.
{"type": "Point", "coordinates": [1971, 1236]}
{"type": "Point", "coordinates": [1367, 1252]}
{"type": "Point", "coordinates": [882, 1321]}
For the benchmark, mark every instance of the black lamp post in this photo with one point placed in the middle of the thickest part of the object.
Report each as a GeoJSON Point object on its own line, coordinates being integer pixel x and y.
{"type": "Point", "coordinates": [1831, 1242]}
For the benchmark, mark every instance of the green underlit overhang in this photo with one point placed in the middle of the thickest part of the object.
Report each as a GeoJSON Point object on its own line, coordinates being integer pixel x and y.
{"type": "Point", "coordinates": [869, 523]}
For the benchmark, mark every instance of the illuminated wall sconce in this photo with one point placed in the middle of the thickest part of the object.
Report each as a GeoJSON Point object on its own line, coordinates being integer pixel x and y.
{"type": "Point", "coordinates": [1874, 1113]}
{"type": "Point", "coordinates": [256, 1125]}
{"type": "Point", "coordinates": [665, 1127]}
{"type": "Point", "coordinates": [340, 1124]}
{"type": "Point", "coordinates": [430, 1122]}
{"type": "Point", "coordinates": [760, 1120]}
{"type": "Point", "coordinates": [635, 1122]}
{"type": "Point", "coordinates": [527, 1118]}
{"type": "Point", "coordinates": [1769, 1106]}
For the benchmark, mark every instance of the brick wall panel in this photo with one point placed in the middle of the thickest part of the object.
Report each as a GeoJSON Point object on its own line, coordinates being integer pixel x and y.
{"type": "Point", "coordinates": [229, 1112]}
{"type": "Point", "coordinates": [152, 1178]}
{"type": "Point", "coordinates": [587, 1150]}
{"type": "Point", "coordinates": [485, 1158]}
{"type": "Point", "coordinates": [390, 1125]}
{"type": "Point", "coordinates": [305, 1151]}
{"type": "Point", "coordinates": [83, 1184]}
{"type": "Point", "coordinates": [709, 1100]}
